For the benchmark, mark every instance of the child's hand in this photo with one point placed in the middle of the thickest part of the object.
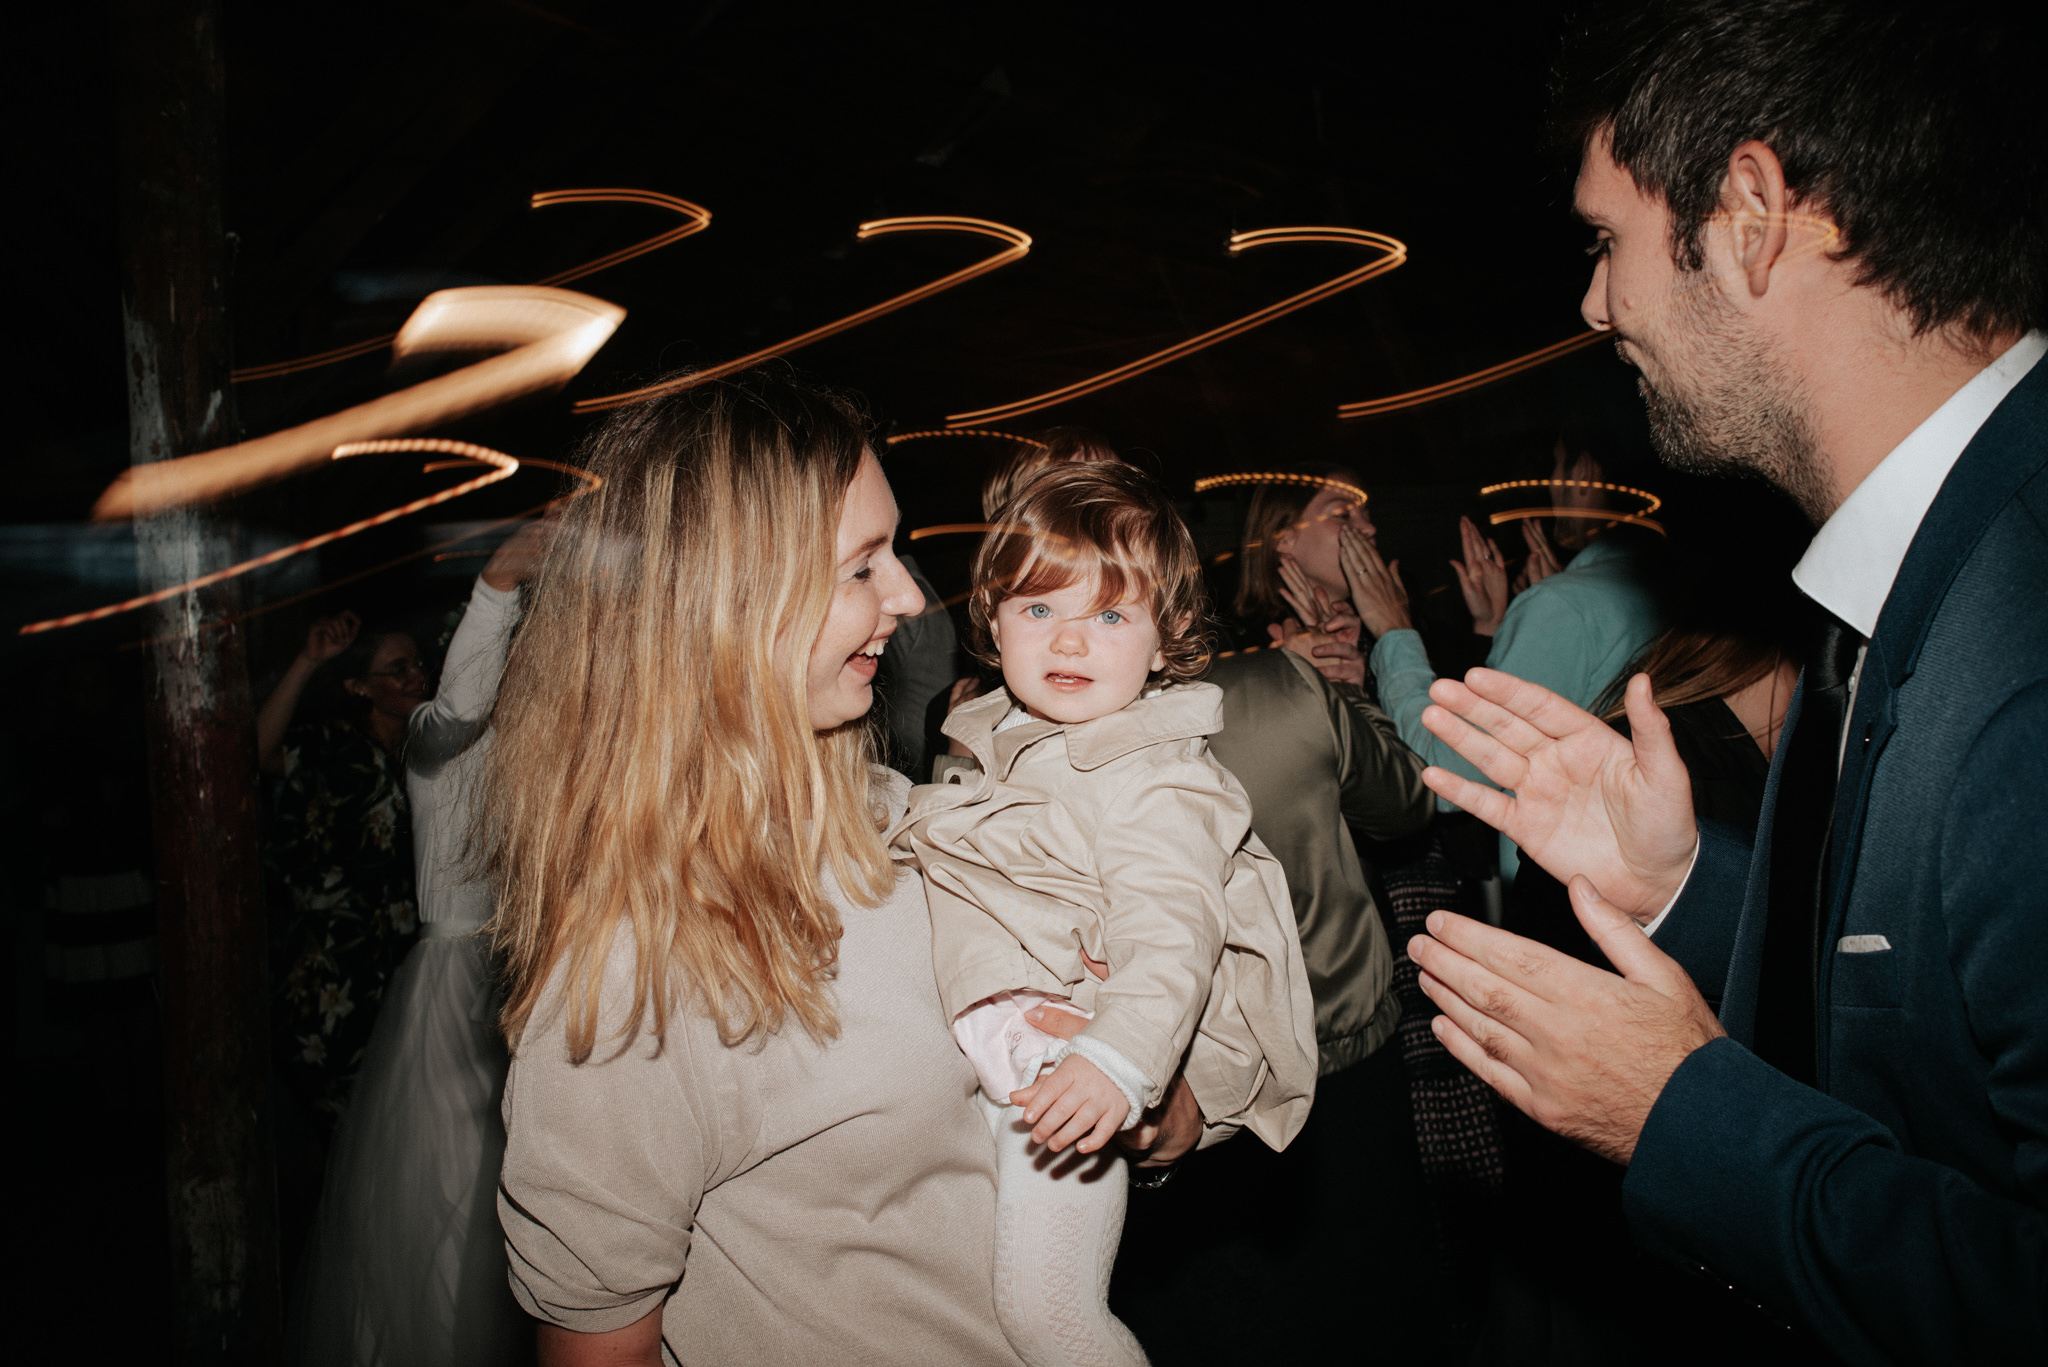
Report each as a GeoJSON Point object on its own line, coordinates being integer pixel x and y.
{"type": "Point", "coordinates": [1075, 1101]}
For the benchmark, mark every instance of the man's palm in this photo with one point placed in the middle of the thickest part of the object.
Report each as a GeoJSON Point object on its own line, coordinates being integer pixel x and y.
{"type": "Point", "coordinates": [1582, 798]}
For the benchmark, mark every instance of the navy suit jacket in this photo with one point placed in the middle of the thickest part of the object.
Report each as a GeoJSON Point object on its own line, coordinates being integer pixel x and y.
{"type": "Point", "coordinates": [1899, 1209]}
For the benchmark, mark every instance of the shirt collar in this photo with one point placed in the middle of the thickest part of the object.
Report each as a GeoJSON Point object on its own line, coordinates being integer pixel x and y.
{"type": "Point", "coordinates": [1856, 555]}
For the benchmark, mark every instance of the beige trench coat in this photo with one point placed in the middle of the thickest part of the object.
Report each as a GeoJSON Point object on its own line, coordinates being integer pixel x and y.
{"type": "Point", "coordinates": [1122, 838]}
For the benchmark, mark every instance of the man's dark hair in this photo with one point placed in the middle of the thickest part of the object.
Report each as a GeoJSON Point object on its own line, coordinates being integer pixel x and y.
{"type": "Point", "coordinates": [1916, 127]}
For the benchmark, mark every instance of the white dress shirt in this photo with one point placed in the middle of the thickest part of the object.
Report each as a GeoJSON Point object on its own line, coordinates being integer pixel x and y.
{"type": "Point", "coordinates": [1856, 555]}
{"type": "Point", "coordinates": [446, 743]}
{"type": "Point", "coordinates": [1854, 559]}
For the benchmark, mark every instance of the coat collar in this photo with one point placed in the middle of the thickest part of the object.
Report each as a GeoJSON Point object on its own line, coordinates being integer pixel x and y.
{"type": "Point", "coordinates": [1176, 712]}
{"type": "Point", "coordinates": [2010, 449]}
{"type": "Point", "coordinates": [2007, 451]}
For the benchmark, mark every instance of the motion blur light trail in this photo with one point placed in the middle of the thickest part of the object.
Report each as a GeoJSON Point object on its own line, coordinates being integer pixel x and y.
{"type": "Point", "coordinates": [1367, 408]}
{"type": "Point", "coordinates": [1019, 244]}
{"type": "Point", "coordinates": [927, 435]}
{"type": "Point", "coordinates": [951, 529]}
{"type": "Point", "coordinates": [1393, 253]}
{"type": "Point", "coordinates": [591, 484]}
{"type": "Point", "coordinates": [1208, 482]}
{"type": "Point", "coordinates": [697, 217]}
{"type": "Point", "coordinates": [503, 467]}
{"type": "Point", "coordinates": [1822, 236]}
{"type": "Point", "coordinates": [1640, 518]}
{"type": "Point", "coordinates": [553, 333]}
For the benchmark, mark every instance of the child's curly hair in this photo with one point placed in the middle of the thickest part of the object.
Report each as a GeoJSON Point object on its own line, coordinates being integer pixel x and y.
{"type": "Point", "coordinates": [1104, 520]}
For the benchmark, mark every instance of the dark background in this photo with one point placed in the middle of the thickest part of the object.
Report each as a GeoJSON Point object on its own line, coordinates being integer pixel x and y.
{"type": "Point", "coordinates": [378, 150]}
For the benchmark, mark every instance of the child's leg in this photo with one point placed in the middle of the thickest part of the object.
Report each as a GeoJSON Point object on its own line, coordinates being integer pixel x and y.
{"type": "Point", "coordinates": [1056, 1239]}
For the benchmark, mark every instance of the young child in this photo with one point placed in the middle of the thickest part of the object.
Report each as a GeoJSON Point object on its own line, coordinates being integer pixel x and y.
{"type": "Point", "coordinates": [1100, 862]}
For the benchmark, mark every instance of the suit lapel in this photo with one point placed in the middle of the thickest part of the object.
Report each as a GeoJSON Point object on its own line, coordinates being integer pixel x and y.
{"type": "Point", "coordinates": [2007, 451]}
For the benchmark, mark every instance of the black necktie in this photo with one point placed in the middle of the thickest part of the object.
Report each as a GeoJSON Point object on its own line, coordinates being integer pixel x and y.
{"type": "Point", "coordinates": [1799, 844]}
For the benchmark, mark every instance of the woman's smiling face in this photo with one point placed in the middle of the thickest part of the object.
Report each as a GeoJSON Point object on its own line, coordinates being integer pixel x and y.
{"type": "Point", "coordinates": [870, 591]}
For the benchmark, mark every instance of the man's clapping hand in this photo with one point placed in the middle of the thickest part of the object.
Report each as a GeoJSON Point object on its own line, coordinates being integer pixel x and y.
{"type": "Point", "coordinates": [1581, 798]}
{"type": "Point", "coordinates": [1577, 1049]}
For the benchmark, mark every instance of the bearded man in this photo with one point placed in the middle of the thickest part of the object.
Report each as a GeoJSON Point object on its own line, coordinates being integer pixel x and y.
{"type": "Point", "coordinates": [1822, 237]}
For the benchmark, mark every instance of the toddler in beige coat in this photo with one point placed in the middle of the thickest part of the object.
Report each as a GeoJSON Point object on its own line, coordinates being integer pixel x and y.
{"type": "Point", "coordinates": [1100, 862]}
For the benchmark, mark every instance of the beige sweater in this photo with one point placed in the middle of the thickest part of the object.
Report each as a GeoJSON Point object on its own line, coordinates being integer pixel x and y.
{"type": "Point", "coordinates": [783, 1202]}
{"type": "Point", "coordinates": [1122, 838]}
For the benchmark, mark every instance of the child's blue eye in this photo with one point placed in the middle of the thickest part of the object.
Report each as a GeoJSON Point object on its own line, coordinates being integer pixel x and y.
{"type": "Point", "coordinates": [1110, 616]}
{"type": "Point", "coordinates": [1039, 611]}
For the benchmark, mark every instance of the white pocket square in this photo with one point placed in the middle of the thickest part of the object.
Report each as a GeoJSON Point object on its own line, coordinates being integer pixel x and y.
{"type": "Point", "coordinates": [1863, 944]}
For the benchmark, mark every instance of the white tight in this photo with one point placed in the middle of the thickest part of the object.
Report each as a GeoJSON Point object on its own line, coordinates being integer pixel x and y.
{"type": "Point", "coordinates": [1057, 1226]}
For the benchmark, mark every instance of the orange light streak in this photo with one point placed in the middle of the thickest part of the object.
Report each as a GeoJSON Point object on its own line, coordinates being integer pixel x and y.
{"type": "Point", "coordinates": [1367, 408]}
{"type": "Point", "coordinates": [699, 218]}
{"type": "Point", "coordinates": [1651, 503]}
{"type": "Point", "coordinates": [1823, 237]}
{"type": "Point", "coordinates": [1393, 253]}
{"type": "Point", "coordinates": [1208, 482]}
{"type": "Point", "coordinates": [504, 467]}
{"type": "Point", "coordinates": [591, 483]}
{"type": "Point", "coordinates": [951, 529]}
{"type": "Point", "coordinates": [1589, 514]}
{"type": "Point", "coordinates": [553, 333]}
{"type": "Point", "coordinates": [901, 437]}
{"type": "Point", "coordinates": [1019, 244]}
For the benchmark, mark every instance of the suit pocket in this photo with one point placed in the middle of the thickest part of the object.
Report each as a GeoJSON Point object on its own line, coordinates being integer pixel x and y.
{"type": "Point", "coordinates": [1866, 977]}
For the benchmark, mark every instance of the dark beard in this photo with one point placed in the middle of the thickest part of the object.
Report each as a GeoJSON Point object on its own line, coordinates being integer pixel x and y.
{"type": "Point", "coordinates": [1748, 420]}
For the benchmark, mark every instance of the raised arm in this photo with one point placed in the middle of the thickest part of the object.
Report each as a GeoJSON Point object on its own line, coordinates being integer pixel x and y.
{"type": "Point", "coordinates": [445, 726]}
{"type": "Point", "coordinates": [325, 639]}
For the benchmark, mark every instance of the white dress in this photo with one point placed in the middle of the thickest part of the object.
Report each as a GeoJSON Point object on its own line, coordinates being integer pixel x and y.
{"type": "Point", "coordinates": [406, 1263]}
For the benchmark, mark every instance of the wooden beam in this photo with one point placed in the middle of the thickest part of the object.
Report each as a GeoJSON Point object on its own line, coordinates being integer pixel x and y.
{"type": "Point", "coordinates": [219, 1166]}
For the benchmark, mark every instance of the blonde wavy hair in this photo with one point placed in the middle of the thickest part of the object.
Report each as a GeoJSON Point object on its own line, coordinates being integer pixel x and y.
{"type": "Point", "coordinates": [654, 768]}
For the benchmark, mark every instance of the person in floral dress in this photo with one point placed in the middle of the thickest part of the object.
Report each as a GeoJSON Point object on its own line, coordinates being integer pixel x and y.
{"type": "Point", "coordinates": [339, 854]}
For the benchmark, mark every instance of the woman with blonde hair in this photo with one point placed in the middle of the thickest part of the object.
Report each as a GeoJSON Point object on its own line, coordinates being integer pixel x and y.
{"type": "Point", "coordinates": [738, 1130]}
